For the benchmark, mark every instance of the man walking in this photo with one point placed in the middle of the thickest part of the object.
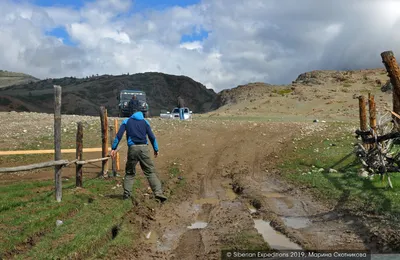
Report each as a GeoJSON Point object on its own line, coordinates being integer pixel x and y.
{"type": "Point", "coordinates": [133, 105]}
{"type": "Point", "coordinates": [181, 106]}
{"type": "Point", "coordinates": [137, 129]}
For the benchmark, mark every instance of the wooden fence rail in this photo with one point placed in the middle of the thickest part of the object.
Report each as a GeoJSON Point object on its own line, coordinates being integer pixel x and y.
{"type": "Point", "coordinates": [58, 162]}
{"type": "Point", "coordinates": [61, 163]}
{"type": "Point", "coordinates": [48, 151]}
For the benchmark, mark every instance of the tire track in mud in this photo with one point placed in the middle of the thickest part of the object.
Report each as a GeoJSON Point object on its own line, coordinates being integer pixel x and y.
{"type": "Point", "coordinates": [210, 195]}
{"type": "Point", "coordinates": [305, 222]}
{"type": "Point", "coordinates": [227, 215]}
{"type": "Point", "coordinates": [235, 155]}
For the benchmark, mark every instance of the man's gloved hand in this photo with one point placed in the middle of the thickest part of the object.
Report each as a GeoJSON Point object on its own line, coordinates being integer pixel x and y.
{"type": "Point", "coordinates": [155, 154]}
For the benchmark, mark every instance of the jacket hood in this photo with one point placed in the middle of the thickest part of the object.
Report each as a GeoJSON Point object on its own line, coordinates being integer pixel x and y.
{"type": "Point", "coordinates": [137, 116]}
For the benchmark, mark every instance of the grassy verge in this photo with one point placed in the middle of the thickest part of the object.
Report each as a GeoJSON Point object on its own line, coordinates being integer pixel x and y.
{"type": "Point", "coordinates": [29, 213]}
{"type": "Point", "coordinates": [309, 165]}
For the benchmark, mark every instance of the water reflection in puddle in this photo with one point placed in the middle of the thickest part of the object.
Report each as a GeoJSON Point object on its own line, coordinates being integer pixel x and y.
{"type": "Point", "coordinates": [198, 225]}
{"type": "Point", "coordinates": [296, 222]}
{"type": "Point", "coordinates": [275, 239]}
{"type": "Point", "coordinates": [167, 241]}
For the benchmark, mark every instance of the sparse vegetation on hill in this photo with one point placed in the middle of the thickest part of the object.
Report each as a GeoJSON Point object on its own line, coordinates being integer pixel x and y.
{"type": "Point", "coordinates": [324, 95]}
{"type": "Point", "coordinates": [83, 96]}
{"type": "Point", "coordinates": [8, 78]}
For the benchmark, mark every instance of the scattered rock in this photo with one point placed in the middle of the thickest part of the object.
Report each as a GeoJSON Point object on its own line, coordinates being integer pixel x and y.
{"type": "Point", "coordinates": [332, 171]}
{"type": "Point", "coordinates": [388, 87]}
{"type": "Point", "coordinates": [363, 173]}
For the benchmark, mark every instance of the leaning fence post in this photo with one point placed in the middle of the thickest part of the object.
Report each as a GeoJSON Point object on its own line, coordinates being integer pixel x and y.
{"type": "Point", "coordinates": [117, 155]}
{"type": "Point", "coordinates": [79, 154]}
{"type": "Point", "coordinates": [363, 115]}
{"type": "Point", "coordinates": [112, 135]}
{"type": "Point", "coordinates": [57, 141]}
{"type": "Point", "coordinates": [394, 74]}
{"type": "Point", "coordinates": [104, 137]}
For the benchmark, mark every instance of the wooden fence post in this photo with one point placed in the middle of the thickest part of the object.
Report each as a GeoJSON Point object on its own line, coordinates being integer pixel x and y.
{"type": "Point", "coordinates": [394, 74]}
{"type": "Point", "coordinates": [79, 154]}
{"type": "Point", "coordinates": [104, 138]}
{"type": "Point", "coordinates": [57, 142]}
{"type": "Point", "coordinates": [117, 155]}
{"type": "Point", "coordinates": [113, 166]}
{"type": "Point", "coordinates": [363, 115]}
{"type": "Point", "coordinates": [372, 112]}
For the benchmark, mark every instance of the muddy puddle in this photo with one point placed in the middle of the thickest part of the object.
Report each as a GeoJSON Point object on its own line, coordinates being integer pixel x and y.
{"type": "Point", "coordinates": [275, 239]}
{"type": "Point", "coordinates": [198, 225]}
{"type": "Point", "coordinates": [296, 222]}
{"type": "Point", "coordinates": [164, 243]}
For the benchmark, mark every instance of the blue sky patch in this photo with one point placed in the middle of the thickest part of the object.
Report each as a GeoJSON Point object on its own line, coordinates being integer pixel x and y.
{"type": "Point", "coordinates": [195, 36]}
{"type": "Point", "coordinates": [137, 7]}
{"type": "Point", "coordinates": [76, 4]}
{"type": "Point", "coordinates": [140, 5]}
{"type": "Point", "coordinates": [60, 32]}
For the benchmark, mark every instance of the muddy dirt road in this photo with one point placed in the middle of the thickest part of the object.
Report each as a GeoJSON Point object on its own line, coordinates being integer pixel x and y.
{"type": "Point", "coordinates": [231, 198]}
{"type": "Point", "coordinates": [227, 194]}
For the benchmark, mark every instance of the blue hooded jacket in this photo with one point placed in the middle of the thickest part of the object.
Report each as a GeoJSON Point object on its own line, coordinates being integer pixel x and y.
{"type": "Point", "coordinates": [137, 129]}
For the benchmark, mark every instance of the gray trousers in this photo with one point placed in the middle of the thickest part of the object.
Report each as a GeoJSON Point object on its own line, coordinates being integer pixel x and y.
{"type": "Point", "coordinates": [140, 154]}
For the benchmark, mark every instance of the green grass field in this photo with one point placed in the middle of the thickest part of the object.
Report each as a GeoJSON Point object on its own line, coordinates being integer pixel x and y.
{"type": "Point", "coordinates": [92, 216]}
{"type": "Point", "coordinates": [344, 188]}
{"type": "Point", "coordinates": [29, 213]}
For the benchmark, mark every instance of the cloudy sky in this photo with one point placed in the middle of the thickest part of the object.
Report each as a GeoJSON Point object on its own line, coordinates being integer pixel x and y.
{"type": "Point", "coordinates": [220, 43]}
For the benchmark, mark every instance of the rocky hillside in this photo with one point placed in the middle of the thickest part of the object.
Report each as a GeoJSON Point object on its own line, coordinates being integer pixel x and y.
{"type": "Point", "coordinates": [8, 78]}
{"type": "Point", "coordinates": [83, 96]}
{"type": "Point", "coordinates": [241, 93]}
{"type": "Point", "coordinates": [313, 95]}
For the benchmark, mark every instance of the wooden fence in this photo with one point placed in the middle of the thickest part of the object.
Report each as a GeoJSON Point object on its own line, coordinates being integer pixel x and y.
{"type": "Point", "coordinates": [58, 163]}
{"type": "Point", "coordinates": [367, 133]}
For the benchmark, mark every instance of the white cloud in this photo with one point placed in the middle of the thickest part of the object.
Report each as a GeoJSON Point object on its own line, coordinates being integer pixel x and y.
{"type": "Point", "coordinates": [254, 40]}
{"type": "Point", "coordinates": [195, 45]}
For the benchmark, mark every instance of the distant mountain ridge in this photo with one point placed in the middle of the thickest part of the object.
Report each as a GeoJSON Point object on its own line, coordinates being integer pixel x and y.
{"type": "Point", "coordinates": [84, 96]}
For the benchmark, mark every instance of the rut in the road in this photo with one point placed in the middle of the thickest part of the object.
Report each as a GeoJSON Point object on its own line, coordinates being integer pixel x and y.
{"type": "Point", "coordinates": [241, 154]}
